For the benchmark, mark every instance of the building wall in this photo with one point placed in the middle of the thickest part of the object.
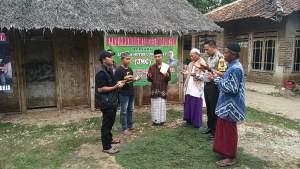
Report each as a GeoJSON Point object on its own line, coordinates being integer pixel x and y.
{"type": "Point", "coordinates": [284, 53]}
{"type": "Point", "coordinates": [9, 102]}
{"type": "Point", "coordinates": [292, 32]}
{"type": "Point", "coordinates": [69, 83]}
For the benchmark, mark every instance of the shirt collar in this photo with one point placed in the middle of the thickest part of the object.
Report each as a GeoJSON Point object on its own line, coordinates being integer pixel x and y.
{"type": "Point", "coordinates": [107, 68]}
{"type": "Point", "coordinates": [233, 62]}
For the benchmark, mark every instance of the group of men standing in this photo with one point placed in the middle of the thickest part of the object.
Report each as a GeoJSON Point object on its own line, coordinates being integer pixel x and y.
{"type": "Point", "coordinates": [220, 80]}
{"type": "Point", "coordinates": [223, 91]}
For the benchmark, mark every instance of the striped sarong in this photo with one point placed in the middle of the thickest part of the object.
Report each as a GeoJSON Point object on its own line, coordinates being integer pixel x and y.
{"type": "Point", "coordinates": [158, 110]}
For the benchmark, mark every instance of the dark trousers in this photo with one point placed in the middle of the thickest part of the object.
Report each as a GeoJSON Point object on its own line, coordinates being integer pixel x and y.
{"type": "Point", "coordinates": [211, 93]}
{"type": "Point", "coordinates": [108, 120]}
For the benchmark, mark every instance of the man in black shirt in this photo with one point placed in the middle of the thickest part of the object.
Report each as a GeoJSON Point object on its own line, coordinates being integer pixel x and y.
{"type": "Point", "coordinates": [106, 100]}
{"type": "Point", "coordinates": [126, 94]}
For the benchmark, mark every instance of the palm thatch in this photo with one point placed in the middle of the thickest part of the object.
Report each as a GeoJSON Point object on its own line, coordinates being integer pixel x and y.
{"type": "Point", "coordinates": [142, 16]}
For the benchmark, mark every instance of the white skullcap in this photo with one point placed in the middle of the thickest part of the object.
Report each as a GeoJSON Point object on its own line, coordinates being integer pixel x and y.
{"type": "Point", "coordinates": [195, 50]}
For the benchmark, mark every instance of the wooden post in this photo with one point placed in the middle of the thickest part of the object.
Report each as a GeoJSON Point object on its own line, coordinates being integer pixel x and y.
{"type": "Point", "coordinates": [91, 54]}
{"type": "Point", "coordinates": [181, 60]}
{"type": "Point", "coordinates": [19, 72]}
{"type": "Point", "coordinates": [193, 41]}
{"type": "Point", "coordinates": [57, 67]}
{"type": "Point", "coordinates": [140, 95]}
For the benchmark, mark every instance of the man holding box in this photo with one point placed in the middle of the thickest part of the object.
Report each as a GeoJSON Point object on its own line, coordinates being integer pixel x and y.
{"type": "Point", "coordinates": [231, 105]}
{"type": "Point", "coordinates": [159, 75]}
{"type": "Point", "coordinates": [126, 94]}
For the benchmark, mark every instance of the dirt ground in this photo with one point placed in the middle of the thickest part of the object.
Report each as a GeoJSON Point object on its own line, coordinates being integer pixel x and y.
{"type": "Point", "coordinates": [74, 114]}
{"type": "Point", "coordinates": [282, 106]}
{"type": "Point", "coordinates": [272, 99]}
{"type": "Point", "coordinates": [271, 143]}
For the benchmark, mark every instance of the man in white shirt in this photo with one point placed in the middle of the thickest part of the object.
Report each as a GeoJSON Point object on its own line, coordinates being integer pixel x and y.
{"type": "Point", "coordinates": [194, 89]}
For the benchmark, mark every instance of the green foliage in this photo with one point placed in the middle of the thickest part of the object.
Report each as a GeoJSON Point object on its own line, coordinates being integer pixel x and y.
{"type": "Point", "coordinates": [207, 5]}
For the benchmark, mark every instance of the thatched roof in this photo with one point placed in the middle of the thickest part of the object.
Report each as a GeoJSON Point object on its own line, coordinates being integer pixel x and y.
{"type": "Point", "coordinates": [143, 16]}
{"type": "Point", "coordinates": [241, 9]}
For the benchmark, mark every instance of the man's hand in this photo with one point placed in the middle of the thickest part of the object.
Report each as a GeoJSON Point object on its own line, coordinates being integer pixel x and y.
{"type": "Point", "coordinates": [218, 73]}
{"type": "Point", "coordinates": [120, 84]}
{"type": "Point", "coordinates": [149, 74]}
{"type": "Point", "coordinates": [183, 71]}
{"type": "Point", "coordinates": [213, 76]}
{"type": "Point", "coordinates": [137, 78]}
{"type": "Point", "coordinates": [205, 66]}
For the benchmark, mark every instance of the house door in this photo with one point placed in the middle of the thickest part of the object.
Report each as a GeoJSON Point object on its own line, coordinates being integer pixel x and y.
{"type": "Point", "coordinates": [39, 74]}
{"type": "Point", "coordinates": [73, 58]}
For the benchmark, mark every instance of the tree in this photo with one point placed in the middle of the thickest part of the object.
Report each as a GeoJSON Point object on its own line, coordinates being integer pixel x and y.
{"type": "Point", "coordinates": [207, 5]}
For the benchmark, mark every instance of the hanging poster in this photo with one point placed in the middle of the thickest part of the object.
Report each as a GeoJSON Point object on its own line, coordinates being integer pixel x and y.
{"type": "Point", "coordinates": [5, 65]}
{"type": "Point", "coordinates": [141, 49]}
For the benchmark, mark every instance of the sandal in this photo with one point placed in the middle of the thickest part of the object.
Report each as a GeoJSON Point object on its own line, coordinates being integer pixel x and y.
{"type": "Point", "coordinates": [115, 141]}
{"type": "Point", "coordinates": [111, 151]}
{"type": "Point", "coordinates": [225, 164]}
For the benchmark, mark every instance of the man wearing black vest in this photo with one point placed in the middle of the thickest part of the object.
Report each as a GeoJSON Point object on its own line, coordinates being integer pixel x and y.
{"type": "Point", "coordinates": [107, 100]}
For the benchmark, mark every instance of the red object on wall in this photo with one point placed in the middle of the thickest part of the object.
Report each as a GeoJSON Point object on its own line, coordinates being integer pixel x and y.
{"type": "Point", "coordinates": [289, 84]}
{"type": "Point", "coordinates": [2, 37]}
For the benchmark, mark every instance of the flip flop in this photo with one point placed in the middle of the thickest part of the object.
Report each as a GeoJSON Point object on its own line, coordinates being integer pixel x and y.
{"type": "Point", "coordinates": [116, 141]}
{"type": "Point", "coordinates": [222, 164]}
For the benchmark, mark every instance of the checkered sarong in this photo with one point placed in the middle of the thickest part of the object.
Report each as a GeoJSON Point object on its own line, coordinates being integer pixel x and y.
{"type": "Point", "coordinates": [158, 110]}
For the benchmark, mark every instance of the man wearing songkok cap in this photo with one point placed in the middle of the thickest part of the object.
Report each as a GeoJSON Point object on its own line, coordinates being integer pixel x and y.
{"type": "Point", "coordinates": [159, 75]}
{"type": "Point", "coordinates": [230, 107]}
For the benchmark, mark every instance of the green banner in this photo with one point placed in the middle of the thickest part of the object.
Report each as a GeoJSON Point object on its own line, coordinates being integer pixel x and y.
{"type": "Point", "coordinates": [141, 49]}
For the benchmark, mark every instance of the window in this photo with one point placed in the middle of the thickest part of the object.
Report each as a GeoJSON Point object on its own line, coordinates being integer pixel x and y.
{"type": "Point", "coordinates": [297, 56]}
{"type": "Point", "coordinates": [257, 55]}
{"type": "Point", "coordinates": [187, 44]}
{"type": "Point", "coordinates": [263, 55]}
{"type": "Point", "coordinates": [269, 55]}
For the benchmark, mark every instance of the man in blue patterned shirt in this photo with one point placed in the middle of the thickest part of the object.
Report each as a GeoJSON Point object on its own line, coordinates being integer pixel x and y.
{"type": "Point", "coordinates": [230, 107]}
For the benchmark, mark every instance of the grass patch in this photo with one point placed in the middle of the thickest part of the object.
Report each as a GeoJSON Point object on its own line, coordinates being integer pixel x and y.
{"type": "Point", "coordinates": [254, 115]}
{"type": "Point", "coordinates": [179, 148]}
{"type": "Point", "coordinates": [30, 146]}
{"type": "Point", "coordinates": [27, 147]}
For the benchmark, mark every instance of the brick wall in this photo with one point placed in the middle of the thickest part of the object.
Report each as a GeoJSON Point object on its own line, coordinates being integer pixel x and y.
{"type": "Point", "coordinates": [286, 53]}
{"type": "Point", "coordinates": [262, 77]}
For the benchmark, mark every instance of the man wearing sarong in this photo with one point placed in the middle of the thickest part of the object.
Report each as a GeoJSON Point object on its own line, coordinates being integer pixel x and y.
{"type": "Point", "coordinates": [230, 107]}
{"type": "Point", "coordinates": [194, 89]}
{"type": "Point", "coordinates": [159, 87]}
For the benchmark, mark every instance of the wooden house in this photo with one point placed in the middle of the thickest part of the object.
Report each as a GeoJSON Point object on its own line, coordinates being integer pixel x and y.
{"type": "Point", "coordinates": [54, 45]}
{"type": "Point", "coordinates": [269, 34]}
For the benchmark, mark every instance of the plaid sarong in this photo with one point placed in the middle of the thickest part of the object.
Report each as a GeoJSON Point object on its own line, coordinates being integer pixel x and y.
{"type": "Point", "coordinates": [158, 110]}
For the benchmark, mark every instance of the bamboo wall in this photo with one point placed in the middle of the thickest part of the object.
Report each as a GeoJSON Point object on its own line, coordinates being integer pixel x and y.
{"type": "Point", "coordinates": [75, 64]}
